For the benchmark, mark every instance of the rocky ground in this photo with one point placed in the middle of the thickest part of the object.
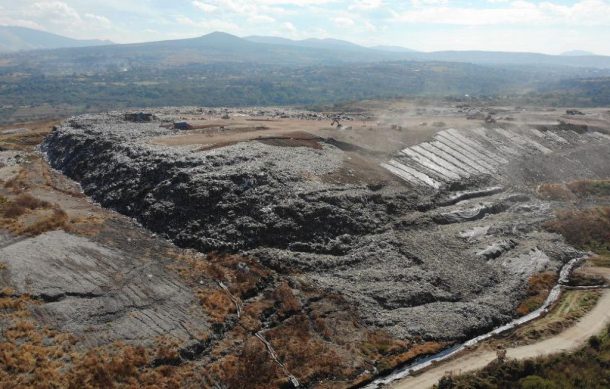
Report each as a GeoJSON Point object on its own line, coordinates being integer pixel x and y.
{"type": "Point", "coordinates": [345, 267]}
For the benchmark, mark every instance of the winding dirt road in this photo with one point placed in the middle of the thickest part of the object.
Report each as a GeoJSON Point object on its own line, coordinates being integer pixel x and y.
{"type": "Point", "coordinates": [591, 324]}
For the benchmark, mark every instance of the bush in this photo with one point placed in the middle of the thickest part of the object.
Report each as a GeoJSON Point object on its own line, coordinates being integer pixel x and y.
{"type": "Point", "coordinates": [554, 192]}
{"type": "Point", "coordinates": [585, 228]}
{"type": "Point", "coordinates": [536, 382]}
{"type": "Point", "coordinates": [28, 201]}
{"type": "Point", "coordinates": [539, 286]}
{"type": "Point", "coordinates": [21, 204]}
{"type": "Point", "coordinates": [590, 187]}
{"type": "Point", "coordinates": [57, 220]}
{"type": "Point", "coordinates": [287, 301]}
{"type": "Point", "coordinates": [595, 342]}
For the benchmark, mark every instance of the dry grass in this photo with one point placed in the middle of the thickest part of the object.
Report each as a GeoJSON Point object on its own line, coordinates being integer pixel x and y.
{"type": "Point", "coordinates": [575, 190]}
{"type": "Point", "coordinates": [572, 305]}
{"type": "Point", "coordinates": [555, 192]}
{"type": "Point", "coordinates": [14, 211]}
{"type": "Point", "coordinates": [252, 368]}
{"type": "Point", "coordinates": [414, 352]}
{"type": "Point", "coordinates": [586, 228]}
{"type": "Point", "coordinates": [287, 301]}
{"type": "Point", "coordinates": [305, 353]}
{"type": "Point", "coordinates": [25, 141]}
{"type": "Point", "coordinates": [57, 220]}
{"type": "Point", "coordinates": [380, 343]}
{"type": "Point", "coordinates": [21, 204]}
{"type": "Point", "coordinates": [539, 286]}
{"type": "Point", "coordinates": [600, 261]}
{"type": "Point", "coordinates": [36, 357]}
{"type": "Point", "coordinates": [586, 188]}
{"type": "Point", "coordinates": [19, 183]}
{"type": "Point", "coordinates": [14, 215]}
{"type": "Point", "coordinates": [217, 304]}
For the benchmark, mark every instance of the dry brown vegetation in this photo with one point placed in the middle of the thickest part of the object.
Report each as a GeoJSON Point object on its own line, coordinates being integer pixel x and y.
{"type": "Point", "coordinates": [585, 228]}
{"type": "Point", "coordinates": [24, 202]}
{"type": "Point", "coordinates": [287, 301]}
{"type": "Point", "coordinates": [251, 368]}
{"type": "Point", "coordinates": [19, 183]}
{"type": "Point", "coordinates": [217, 304]}
{"type": "Point", "coordinates": [316, 335]}
{"type": "Point", "coordinates": [14, 213]}
{"type": "Point", "coordinates": [600, 261]}
{"type": "Point", "coordinates": [36, 357]}
{"type": "Point", "coordinates": [575, 190]}
{"type": "Point", "coordinates": [23, 141]}
{"type": "Point", "coordinates": [555, 192]}
{"type": "Point", "coordinates": [573, 305]}
{"type": "Point", "coordinates": [391, 352]}
{"type": "Point", "coordinates": [538, 288]}
{"type": "Point", "coordinates": [305, 353]}
{"type": "Point", "coordinates": [584, 188]}
{"type": "Point", "coordinates": [585, 368]}
{"type": "Point", "coordinates": [23, 214]}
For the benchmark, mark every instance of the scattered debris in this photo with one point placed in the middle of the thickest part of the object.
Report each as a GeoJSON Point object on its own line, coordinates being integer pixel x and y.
{"type": "Point", "coordinates": [182, 126]}
{"type": "Point", "coordinates": [139, 117]}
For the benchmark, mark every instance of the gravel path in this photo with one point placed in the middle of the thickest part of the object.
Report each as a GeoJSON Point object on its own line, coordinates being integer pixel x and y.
{"type": "Point", "coordinates": [591, 324]}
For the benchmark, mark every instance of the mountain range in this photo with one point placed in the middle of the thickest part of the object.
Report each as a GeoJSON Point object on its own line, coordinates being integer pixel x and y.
{"type": "Point", "coordinates": [13, 38]}
{"type": "Point", "coordinates": [222, 47]}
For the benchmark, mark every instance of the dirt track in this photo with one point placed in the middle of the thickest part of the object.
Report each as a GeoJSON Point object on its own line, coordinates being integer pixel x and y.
{"type": "Point", "coordinates": [591, 324]}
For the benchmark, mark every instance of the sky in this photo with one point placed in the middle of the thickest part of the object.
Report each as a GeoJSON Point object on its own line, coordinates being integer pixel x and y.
{"type": "Point", "coordinates": [552, 26]}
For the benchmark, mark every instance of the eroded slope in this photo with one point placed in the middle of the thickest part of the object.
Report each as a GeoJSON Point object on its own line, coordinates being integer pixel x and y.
{"type": "Point", "coordinates": [416, 260]}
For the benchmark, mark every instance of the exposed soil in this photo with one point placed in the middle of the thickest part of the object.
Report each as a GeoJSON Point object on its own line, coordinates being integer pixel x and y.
{"type": "Point", "coordinates": [574, 337]}
{"type": "Point", "coordinates": [92, 299]}
{"type": "Point", "coordinates": [294, 248]}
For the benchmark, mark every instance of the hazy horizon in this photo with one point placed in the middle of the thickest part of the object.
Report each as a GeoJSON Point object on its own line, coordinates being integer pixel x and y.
{"type": "Point", "coordinates": [550, 27]}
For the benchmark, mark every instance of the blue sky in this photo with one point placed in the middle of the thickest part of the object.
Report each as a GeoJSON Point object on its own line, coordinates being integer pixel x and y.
{"type": "Point", "coordinates": [551, 26]}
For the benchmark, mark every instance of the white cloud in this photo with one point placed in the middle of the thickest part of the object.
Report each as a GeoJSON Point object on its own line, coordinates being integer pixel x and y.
{"type": "Point", "coordinates": [583, 13]}
{"type": "Point", "coordinates": [101, 20]}
{"type": "Point", "coordinates": [207, 25]}
{"type": "Point", "coordinates": [343, 21]}
{"type": "Point", "coordinates": [465, 24]}
{"type": "Point", "coordinates": [366, 5]}
{"type": "Point", "coordinates": [421, 3]}
{"type": "Point", "coordinates": [287, 26]}
{"type": "Point", "coordinates": [370, 27]}
{"type": "Point", "coordinates": [205, 7]}
{"type": "Point", "coordinates": [55, 11]}
{"type": "Point", "coordinates": [261, 19]}
{"type": "Point", "coordinates": [7, 21]}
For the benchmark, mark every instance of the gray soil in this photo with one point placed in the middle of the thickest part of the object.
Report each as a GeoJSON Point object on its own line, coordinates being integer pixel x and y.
{"type": "Point", "coordinates": [114, 287]}
{"type": "Point", "coordinates": [439, 263]}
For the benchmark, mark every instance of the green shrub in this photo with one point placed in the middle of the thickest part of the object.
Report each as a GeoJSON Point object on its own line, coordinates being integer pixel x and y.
{"type": "Point", "coordinates": [536, 382]}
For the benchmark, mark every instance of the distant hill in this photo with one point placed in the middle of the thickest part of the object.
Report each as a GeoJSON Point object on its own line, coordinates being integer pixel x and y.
{"type": "Point", "coordinates": [14, 38]}
{"type": "Point", "coordinates": [577, 53]}
{"type": "Point", "coordinates": [395, 49]}
{"type": "Point", "coordinates": [311, 43]}
{"type": "Point", "coordinates": [510, 58]}
{"type": "Point", "coordinates": [219, 47]}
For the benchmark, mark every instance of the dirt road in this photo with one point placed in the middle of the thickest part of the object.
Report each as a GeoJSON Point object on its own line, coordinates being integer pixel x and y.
{"type": "Point", "coordinates": [591, 324]}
